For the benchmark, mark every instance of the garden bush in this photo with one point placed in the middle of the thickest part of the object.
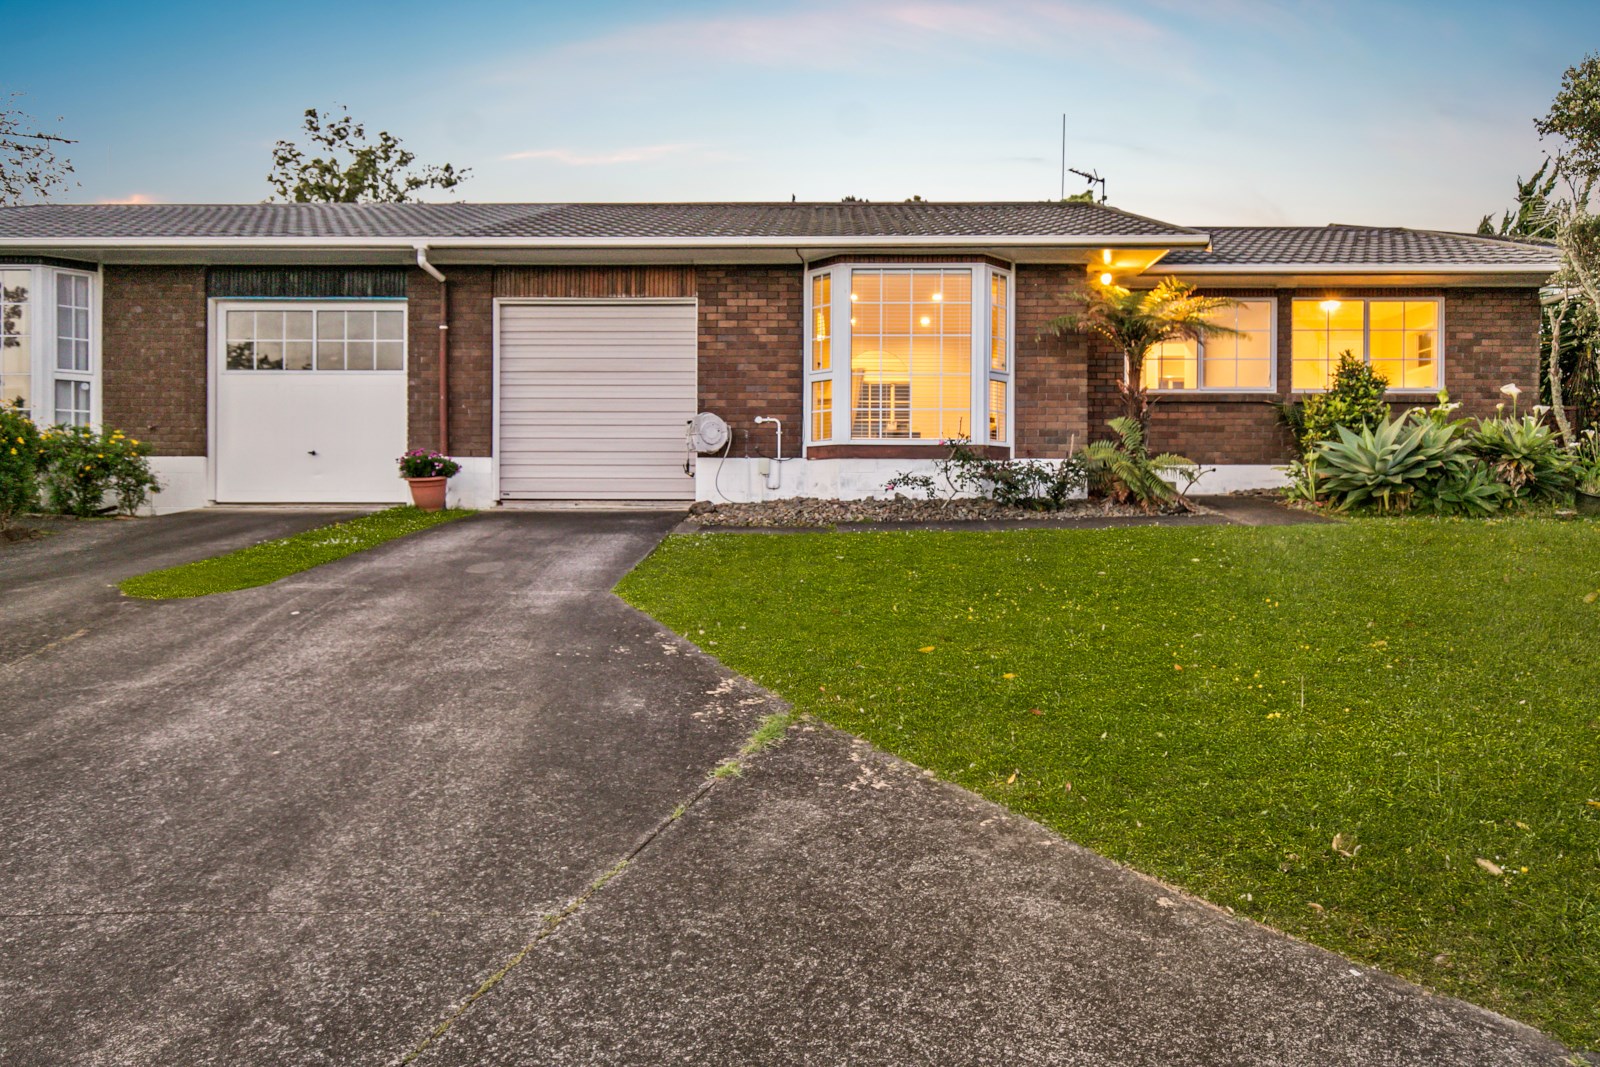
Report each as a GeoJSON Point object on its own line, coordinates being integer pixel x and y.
{"type": "Point", "coordinates": [84, 468]}
{"type": "Point", "coordinates": [1037, 485]}
{"type": "Point", "coordinates": [1526, 455]}
{"type": "Point", "coordinates": [1388, 465]}
{"type": "Point", "coordinates": [1125, 471]}
{"type": "Point", "coordinates": [20, 457]}
{"type": "Point", "coordinates": [1354, 399]}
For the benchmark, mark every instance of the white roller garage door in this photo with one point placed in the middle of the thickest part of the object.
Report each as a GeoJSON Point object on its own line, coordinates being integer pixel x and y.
{"type": "Point", "coordinates": [594, 398]}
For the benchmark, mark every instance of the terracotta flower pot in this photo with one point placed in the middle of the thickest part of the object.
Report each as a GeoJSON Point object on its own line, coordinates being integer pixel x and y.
{"type": "Point", "coordinates": [428, 493]}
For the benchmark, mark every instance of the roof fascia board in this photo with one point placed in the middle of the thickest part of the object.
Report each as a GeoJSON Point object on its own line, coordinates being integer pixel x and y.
{"type": "Point", "coordinates": [406, 244]}
{"type": "Point", "coordinates": [1412, 277]}
{"type": "Point", "coordinates": [1353, 268]}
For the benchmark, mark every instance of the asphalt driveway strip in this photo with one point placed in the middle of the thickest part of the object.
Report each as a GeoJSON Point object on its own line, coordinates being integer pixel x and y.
{"type": "Point", "coordinates": [304, 823]}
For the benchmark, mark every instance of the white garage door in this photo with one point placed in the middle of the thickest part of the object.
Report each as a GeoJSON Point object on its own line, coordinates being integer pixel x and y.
{"type": "Point", "coordinates": [594, 398]}
{"type": "Point", "coordinates": [311, 403]}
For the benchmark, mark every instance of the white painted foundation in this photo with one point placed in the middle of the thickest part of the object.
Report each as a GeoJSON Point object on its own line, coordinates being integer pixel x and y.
{"type": "Point", "coordinates": [184, 484]}
{"type": "Point", "coordinates": [474, 485]}
{"type": "Point", "coordinates": [745, 480]}
{"type": "Point", "coordinates": [1234, 477]}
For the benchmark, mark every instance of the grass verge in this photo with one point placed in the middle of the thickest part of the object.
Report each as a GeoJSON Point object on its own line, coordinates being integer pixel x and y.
{"type": "Point", "coordinates": [270, 560]}
{"type": "Point", "coordinates": [1381, 736]}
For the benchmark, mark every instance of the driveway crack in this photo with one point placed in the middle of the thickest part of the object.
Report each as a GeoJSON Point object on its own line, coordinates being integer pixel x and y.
{"type": "Point", "coordinates": [767, 733]}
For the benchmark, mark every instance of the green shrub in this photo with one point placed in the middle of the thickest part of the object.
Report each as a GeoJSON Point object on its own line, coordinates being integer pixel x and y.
{"type": "Point", "coordinates": [1470, 489]}
{"type": "Point", "coordinates": [1526, 455]}
{"type": "Point", "coordinates": [1037, 485]}
{"type": "Point", "coordinates": [1125, 471]}
{"type": "Point", "coordinates": [1353, 400]}
{"type": "Point", "coordinates": [82, 467]}
{"type": "Point", "coordinates": [1389, 465]}
{"type": "Point", "coordinates": [20, 457]}
{"type": "Point", "coordinates": [1586, 462]}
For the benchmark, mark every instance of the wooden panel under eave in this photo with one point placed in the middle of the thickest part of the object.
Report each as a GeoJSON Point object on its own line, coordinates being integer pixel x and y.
{"type": "Point", "coordinates": [594, 282]}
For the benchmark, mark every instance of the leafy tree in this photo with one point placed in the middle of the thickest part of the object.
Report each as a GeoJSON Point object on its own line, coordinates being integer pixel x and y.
{"type": "Point", "coordinates": [1538, 213]}
{"type": "Point", "coordinates": [30, 165]}
{"type": "Point", "coordinates": [354, 170]}
{"type": "Point", "coordinates": [1134, 322]}
{"type": "Point", "coordinates": [1085, 197]}
{"type": "Point", "coordinates": [1574, 117]}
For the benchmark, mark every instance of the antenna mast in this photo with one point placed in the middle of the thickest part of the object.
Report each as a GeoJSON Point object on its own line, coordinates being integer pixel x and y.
{"type": "Point", "coordinates": [1063, 155]}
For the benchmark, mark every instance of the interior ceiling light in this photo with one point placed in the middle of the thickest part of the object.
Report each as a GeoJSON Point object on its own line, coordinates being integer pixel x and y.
{"type": "Point", "coordinates": [926, 321]}
{"type": "Point", "coordinates": [938, 296]}
{"type": "Point", "coordinates": [1105, 278]}
{"type": "Point", "coordinates": [853, 296]}
{"type": "Point", "coordinates": [1330, 306]}
{"type": "Point", "coordinates": [1105, 256]}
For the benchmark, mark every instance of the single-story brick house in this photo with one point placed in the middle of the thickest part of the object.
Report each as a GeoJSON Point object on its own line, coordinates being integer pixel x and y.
{"type": "Point", "coordinates": [286, 353]}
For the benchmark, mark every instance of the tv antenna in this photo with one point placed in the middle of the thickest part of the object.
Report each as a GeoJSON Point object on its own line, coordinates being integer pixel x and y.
{"type": "Point", "coordinates": [1092, 177]}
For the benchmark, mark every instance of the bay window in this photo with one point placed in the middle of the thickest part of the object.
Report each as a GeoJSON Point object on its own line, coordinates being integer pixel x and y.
{"type": "Point", "coordinates": [1245, 361]}
{"type": "Point", "coordinates": [49, 352]}
{"type": "Point", "coordinates": [1399, 339]}
{"type": "Point", "coordinates": [908, 354]}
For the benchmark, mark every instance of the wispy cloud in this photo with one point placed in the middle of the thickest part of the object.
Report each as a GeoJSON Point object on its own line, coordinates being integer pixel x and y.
{"type": "Point", "coordinates": [833, 34]}
{"type": "Point", "coordinates": [575, 158]}
{"type": "Point", "coordinates": [131, 198]}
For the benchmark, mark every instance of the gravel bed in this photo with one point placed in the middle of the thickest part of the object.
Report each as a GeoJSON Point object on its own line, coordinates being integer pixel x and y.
{"type": "Point", "coordinates": [812, 512]}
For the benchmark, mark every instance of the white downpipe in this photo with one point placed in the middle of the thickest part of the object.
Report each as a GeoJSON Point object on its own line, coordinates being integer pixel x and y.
{"type": "Point", "coordinates": [422, 261]}
{"type": "Point", "coordinates": [775, 469]}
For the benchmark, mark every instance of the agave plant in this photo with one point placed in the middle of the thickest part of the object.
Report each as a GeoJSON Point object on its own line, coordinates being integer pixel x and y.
{"type": "Point", "coordinates": [1526, 455]}
{"type": "Point", "coordinates": [1125, 471]}
{"type": "Point", "coordinates": [1387, 465]}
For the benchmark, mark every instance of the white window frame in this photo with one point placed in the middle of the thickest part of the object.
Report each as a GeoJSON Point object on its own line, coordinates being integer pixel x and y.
{"type": "Point", "coordinates": [840, 351]}
{"type": "Point", "coordinates": [219, 341]}
{"type": "Point", "coordinates": [42, 341]}
{"type": "Point", "coordinates": [1366, 338]}
{"type": "Point", "coordinates": [1200, 357]}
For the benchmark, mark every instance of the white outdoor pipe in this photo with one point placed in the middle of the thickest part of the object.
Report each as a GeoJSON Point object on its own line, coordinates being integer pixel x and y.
{"type": "Point", "coordinates": [773, 470]}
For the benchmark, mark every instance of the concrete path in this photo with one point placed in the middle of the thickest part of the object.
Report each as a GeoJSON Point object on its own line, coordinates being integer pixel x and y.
{"type": "Point", "coordinates": [304, 823]}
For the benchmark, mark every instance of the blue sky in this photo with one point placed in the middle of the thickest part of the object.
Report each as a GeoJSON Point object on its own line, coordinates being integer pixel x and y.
{"type": "Point", "coordinates": [1198, 111]}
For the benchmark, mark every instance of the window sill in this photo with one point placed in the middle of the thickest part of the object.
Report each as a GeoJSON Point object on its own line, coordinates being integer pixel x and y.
{"type": "Point", "coordinates": [898, 450]}
{"type": "Point", "coordinates": [1224, 396]}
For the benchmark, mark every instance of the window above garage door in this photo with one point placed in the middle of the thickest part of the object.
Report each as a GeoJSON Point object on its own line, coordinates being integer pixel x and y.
{"type": "Point", "coordinates": [300, 338]}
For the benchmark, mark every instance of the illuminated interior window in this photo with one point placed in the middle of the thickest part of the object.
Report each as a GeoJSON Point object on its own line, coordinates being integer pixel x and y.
{"type": "Point", "coordinates": [1221, 361]}
{"type": "Point", "coordinates": [908, 353]}
{"type": "Point", "coordinates": [822, 409]}
{"type": "Point", "coordinates": [911, 353]}
{"type": "Point", "coordinates": [822, 322]}
{"type": "Point", "coordinates": [1398, 338]}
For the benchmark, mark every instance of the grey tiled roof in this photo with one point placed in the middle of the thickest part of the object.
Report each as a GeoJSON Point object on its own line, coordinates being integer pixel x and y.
{"type": "Point", "coordinates": [556, 221]}
{"type": "Point", "coordinates": [1253, 246]}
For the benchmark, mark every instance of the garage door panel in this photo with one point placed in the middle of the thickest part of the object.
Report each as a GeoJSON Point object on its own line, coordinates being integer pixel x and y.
{"type": "Point", "coordinates": [594, 399]}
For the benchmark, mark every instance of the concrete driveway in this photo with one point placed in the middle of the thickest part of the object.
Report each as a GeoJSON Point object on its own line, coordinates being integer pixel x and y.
{"type": "Point", "coordinates": [305, 823]}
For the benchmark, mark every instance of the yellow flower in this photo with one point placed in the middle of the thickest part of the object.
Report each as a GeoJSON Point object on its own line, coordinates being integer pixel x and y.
{"type": "Point", "coordinates": [135, 440]}
{"type": "Point", "coordinates": [13, 451]}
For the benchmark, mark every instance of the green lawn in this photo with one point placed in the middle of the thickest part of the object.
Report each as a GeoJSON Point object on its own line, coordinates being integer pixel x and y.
{"type": "Point", "coordinates": [271, 560]}
{"type": "Point", "coordinates": [1381, 736]}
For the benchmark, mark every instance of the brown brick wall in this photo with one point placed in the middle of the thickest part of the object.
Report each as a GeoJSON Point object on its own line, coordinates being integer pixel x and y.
{"type": "Point", "coordinates": [751, 361]}
{"type": "Point", "coordinates": [153, 333]}
{"type": "Point", "coordinates": [752, 337]}
{"type": "Point", "coordinates": [1050, 380]}
{"type": "Point", "coordinates": [471, 360]}
{"type": "Point", "coordinates": [1491, 337]}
